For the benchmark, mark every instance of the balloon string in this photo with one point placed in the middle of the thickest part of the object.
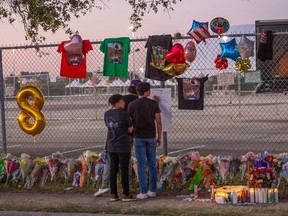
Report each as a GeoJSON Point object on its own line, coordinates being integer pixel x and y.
{"type": "Point", "coordinates": [34, 139]}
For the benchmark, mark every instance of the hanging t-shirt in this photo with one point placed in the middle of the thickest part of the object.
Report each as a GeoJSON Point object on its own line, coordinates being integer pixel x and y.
{"type": "Point", "coordinates": [74, 66]}
{"type": "Point", "coordinates": [157, 47]}
{"type": "Point", "coordinates": [191, 93]}
{"type": "Point", "coordinates": [116, 52]}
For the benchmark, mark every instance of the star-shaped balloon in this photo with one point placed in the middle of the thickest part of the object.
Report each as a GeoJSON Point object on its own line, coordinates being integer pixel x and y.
{"type": "Point", "coordinates": [245, 47]}
{"type": "Point", "coordinates": [229, 50]}
{"type": "Point", "coordinates": [199, 31]}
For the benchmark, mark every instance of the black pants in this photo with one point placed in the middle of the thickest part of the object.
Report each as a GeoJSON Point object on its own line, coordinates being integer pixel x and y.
{"type": "Point", "coordinates": [123, 159]}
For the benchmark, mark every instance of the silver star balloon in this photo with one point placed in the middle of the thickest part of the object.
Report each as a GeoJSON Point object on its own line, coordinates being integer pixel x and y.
{"type": "Point", "coordinates": [245, 47]}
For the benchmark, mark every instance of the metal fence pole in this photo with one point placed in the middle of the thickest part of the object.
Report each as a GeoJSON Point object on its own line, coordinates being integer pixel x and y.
{"type": "Point", "coordinates": [2, 107]}
{"type": "Point", "coordinates": [165, 140]}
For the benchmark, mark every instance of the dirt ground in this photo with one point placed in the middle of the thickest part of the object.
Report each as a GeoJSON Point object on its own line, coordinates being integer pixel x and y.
{"type": "Point", "coordinates": [166, 203]}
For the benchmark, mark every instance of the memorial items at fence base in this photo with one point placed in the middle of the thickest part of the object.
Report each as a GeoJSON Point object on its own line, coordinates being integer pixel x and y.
{"type": "Point", "coordinates": [229, 50]}
{"type": "Point", "coordinates": [191, 93]}
{"type": "Point", "coordinates": [219, 25]}
{"type": "Point", "coordinates": [220, 63]}
{"type": "Point", "coordinates": [157, 47]}
{"type": "Point", "coordinates": [173, 173]}
{"type": "Point", "coordinates": [242, 65]}
{"type": "Point", "coordinates": [245, 47]}
{"type": "Point", "coordinates": [199, 31]}
{"type": "Point", "coordinates": [190, 51]}
{"type": "Point", "coordinates": [265, 48]}
{"type": "Point", "coordinates": [116, 52]}
{"type": "Point", "coordinates": [73, 62]}
{"type": "Point", "coordinates": [32, 110]}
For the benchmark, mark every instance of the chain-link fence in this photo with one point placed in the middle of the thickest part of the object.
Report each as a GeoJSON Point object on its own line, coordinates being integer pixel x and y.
{"type": "Point", "coordinates": [235, 119]}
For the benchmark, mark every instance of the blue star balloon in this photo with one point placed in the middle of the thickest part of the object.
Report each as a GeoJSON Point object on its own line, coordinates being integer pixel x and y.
{"type": "Point", "coordinates": [229, 50]}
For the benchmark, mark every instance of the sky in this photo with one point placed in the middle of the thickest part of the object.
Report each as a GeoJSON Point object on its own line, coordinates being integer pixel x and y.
{"type": "Point", "coordinates": [113, 19]}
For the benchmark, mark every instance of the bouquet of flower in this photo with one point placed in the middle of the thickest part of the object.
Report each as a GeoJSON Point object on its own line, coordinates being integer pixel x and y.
{"type": "Point", "coordinates": [262, 177]}
{"type": "Point", "coordinates": [84, 171]}
{"type": "Point", "coordinates": [208, 171]}
{"type": "Point", "coordinates": [284, 172]}
{"type": "Point", "coordinates": [167, 166]}
{"type": "Point", "coordinates": [35, 173]}
{"type": "Point", "coordinates": [2, 168]}
{"type": "Point", "coordinates": [283, 157]}
{"type": "Point", "coordinates": [76, 179]}
{"type": "Point", "coordinates": [234, 168]}
{"type": "Point", "coordinates": [26, 165]}
{"type": "Point", "coordinates": [274, 162]}
{"type": "Point", "coordinates": [223, 166]}
{"type": "Point", "coordinates": [54, 164]}
{"type": "Point", "coordinates": [12, 167]}
{"type": "Point", "coordinates": [247, 166]}
{"type": "Point", "coordinates": [72, 167]}
{"type": "Point", "coordinates": [195, 158]}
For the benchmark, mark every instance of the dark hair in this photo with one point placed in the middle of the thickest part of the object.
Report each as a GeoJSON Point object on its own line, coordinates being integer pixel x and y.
{"type": "Point", "coordinates": [115, 99]}
{"type": "Point", "coordinates": [142, 87]}
{"type": "Point", "coordinates": [132, 89]}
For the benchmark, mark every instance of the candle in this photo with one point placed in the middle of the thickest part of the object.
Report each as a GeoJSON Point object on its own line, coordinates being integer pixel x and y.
{"type": "Point", "coordinates": [212, 192]}
{"type": "Point", "coordinates": [195, 191]}
{"type": "Point", "coordinates": [270, 195]}
{"type": "Point", "coordinates": [260, 195]}
{"type": "Point", "coordinates": [276, 195]}
{"type": "Point", "coordinates": [234, 197]}
{"type": "Point", "coordinates": [264, 194]}
{"type": "Point", "coordinates": [252, 195]}
{"type": "Point", "coordinates": [257, 195]}
{"type": "Point", "coordinates": [243, 195]}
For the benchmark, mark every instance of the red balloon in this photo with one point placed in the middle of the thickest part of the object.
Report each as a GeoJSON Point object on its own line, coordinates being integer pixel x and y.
{"type": "Point", "coordinates": [176, 54]}
{"type": "Point", "coordinates": [220, 63]}
{"type": "Point", "coordinates": [190, 51]}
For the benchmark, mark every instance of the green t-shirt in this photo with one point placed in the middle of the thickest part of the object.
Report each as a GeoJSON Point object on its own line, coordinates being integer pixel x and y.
{"type": "Point", "coordinates": [116, 52]}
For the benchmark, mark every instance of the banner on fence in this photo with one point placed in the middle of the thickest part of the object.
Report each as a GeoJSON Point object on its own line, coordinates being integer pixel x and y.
{"type": "Point", "coordinates": [165, 104]}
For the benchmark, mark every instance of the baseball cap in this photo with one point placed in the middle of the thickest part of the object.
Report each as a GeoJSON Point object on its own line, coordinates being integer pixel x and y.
{"type": "Point", "coordinates": [135, 82]}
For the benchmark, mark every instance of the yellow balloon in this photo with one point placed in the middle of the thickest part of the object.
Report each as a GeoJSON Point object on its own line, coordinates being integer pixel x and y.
{"type": "Point", "coordinates": [174, 69]}
{"type": "Point", "coordinates": [32, 110]}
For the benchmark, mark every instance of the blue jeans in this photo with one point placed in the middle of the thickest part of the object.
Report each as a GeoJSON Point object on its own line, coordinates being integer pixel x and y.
{"type": "Point", "coordinates": [146, 148]}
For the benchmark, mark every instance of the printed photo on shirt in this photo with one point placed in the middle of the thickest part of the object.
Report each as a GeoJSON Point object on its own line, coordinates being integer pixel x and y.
{"type": "Point", "coordinates": [158, 57]}
{"type": "Point", "coordinates": [115, 53]}
{"type": "Point", "coordinates": [74, 59]}
{"type": "Point", "coordinates": [191, 89]}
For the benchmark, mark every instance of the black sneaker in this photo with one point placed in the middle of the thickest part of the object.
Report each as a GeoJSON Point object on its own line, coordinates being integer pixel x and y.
{"type": "Point", "coordinates": [128, 198]}
{"type": "Point", "coordinates": [114, 198]}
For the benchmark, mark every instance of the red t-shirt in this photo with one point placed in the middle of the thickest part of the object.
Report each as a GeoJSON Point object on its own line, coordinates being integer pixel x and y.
{"type": "Point", "coordinates": [74, 66]}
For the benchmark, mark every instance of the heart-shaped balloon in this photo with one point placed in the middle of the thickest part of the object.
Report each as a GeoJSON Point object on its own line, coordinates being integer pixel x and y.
{"type": "Point", "coordinates": [175, 69]}
{"type": "Point", "coordinates": [190, 51]}
{"type": "Point", "coordinates": [74, 46]}
{"type": "Point", "coordinates": [176, 54]}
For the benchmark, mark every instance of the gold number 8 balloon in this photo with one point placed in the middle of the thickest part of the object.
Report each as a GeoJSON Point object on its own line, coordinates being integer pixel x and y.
{"type": "Point", "coordinates": [32, 110]}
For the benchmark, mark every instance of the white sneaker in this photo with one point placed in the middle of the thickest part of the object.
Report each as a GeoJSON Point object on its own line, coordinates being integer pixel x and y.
{"type": "Point", "coordinates": [142, 196]}
{"type": "Point", "coordinates": [151, 194]}
{"type": "Point", "coordinates": [101, 192]}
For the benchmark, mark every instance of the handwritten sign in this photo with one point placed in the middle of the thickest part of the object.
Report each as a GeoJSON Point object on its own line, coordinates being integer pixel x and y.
{"type": "Point", "coordinates": [224, 79]}
{"type": "Point", "coordinates": [252, 76]}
